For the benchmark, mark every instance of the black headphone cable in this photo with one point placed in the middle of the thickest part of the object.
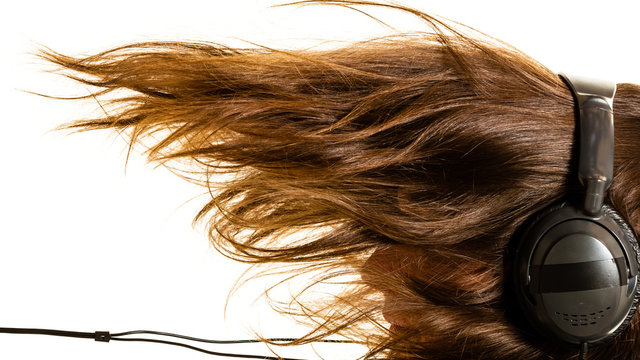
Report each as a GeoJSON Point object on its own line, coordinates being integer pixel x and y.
{"type": "Point", "coordinates": [584, 346]}
{"type": "Point", "coordinates": [105, 336]}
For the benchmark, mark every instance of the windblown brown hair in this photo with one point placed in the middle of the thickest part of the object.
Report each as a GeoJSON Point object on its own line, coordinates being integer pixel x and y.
{"type": "Point", "coordinates": [427, 150]}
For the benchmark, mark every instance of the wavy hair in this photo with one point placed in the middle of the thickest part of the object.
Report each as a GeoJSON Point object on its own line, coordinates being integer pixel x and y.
{"type": "Point", "coordinates": [399, 167]}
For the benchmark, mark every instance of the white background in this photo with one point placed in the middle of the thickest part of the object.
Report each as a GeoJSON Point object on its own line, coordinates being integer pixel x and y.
{"type": "Point", "coordinates": [84, 247]}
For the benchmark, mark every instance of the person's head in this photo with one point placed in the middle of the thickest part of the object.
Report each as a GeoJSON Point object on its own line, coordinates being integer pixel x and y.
{"type": "Point", "coordinates": [412, 161]}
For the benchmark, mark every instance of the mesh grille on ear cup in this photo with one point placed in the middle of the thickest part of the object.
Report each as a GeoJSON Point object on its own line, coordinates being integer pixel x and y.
{"type": "Point", "coordinates": [584, 319]}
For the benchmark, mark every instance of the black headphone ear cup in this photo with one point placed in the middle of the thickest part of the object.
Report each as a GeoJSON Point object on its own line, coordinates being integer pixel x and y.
{"type": "Point", "coordinates": [631, 239]}
{"type": "Point", "coordinates": [524, 245]}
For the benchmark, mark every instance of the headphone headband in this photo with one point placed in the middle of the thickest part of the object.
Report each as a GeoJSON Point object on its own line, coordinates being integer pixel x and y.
{"type": "Point", "coordinates": [595, 101]}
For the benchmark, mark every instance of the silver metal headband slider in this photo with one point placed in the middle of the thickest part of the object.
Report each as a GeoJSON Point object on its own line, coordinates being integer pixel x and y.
{"type": "Point", "coordinates": [595, 100]}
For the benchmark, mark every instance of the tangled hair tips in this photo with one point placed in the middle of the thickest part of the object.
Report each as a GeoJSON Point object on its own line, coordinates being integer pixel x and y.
{"type": "Point", "coordinates": [405, 163]}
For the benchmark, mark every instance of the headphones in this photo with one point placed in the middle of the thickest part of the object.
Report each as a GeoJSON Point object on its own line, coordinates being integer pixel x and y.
{"type": "Point", "coordinates": [575, 267]}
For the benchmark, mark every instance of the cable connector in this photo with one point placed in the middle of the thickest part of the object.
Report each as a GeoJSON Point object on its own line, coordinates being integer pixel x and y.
{"type": "Point", "coordinates": [103, 336]}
